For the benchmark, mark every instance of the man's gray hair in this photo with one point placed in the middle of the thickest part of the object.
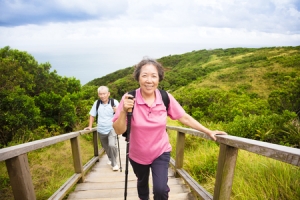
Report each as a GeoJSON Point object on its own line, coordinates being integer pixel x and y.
{"type": "Point", "coordinates": [103, 88]}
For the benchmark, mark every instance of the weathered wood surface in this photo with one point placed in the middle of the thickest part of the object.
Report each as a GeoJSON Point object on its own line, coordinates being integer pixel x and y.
{"type": "Point", "coordinates": [14, 151]}
{"type": "Point", "coordinates": [102, 183]}
{"type": "Point", "coordinates": [282, 153]}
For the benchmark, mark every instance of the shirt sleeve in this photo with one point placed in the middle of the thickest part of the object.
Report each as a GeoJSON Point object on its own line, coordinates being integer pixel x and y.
{"type": "Point", "coordinates": [119, 109]}
{"type": "Point", "coordinates": [116, 103]}
{"type": "Point", "coordinates": [175, 110]}
{"type": "Point", "coordinates": [93, 111]}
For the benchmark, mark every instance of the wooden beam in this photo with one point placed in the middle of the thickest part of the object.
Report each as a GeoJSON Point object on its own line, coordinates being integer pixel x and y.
{"type": "Point", "coordinates": [20, 178]}
{"type": "Point", "coordinates": [179, 151]}
{"type": "Point", "coordinates": [225, 172]}
{"type": "Point", "coordinates": [279, 152]}
{"type": "Point", "coordinates": [95, 142]}
{"type": "Point", "coordinates": [76, 157]}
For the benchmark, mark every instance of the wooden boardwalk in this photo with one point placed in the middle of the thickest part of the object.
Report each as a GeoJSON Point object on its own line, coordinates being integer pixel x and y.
{"type": "Point", "coordinates": [102, 183]}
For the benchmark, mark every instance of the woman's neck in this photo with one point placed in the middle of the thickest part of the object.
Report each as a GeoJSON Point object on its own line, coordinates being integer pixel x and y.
{"type": "Point", "coordinates": [148, 98]}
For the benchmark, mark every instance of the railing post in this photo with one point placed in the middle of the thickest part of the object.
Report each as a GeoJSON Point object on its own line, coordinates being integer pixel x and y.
{"type": "Point", "coordinates": [76, 157]}
{"type": "Point", "coordinates": [95, 142]}
{"type": "Point", "coordinates": [20, 177]}
{"type": "Point", "coordinates": [179, 151]}
{"type": "Point", "coordinates": [225, 172]}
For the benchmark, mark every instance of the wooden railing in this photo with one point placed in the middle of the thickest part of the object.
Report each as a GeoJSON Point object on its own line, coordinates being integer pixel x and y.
{"type": "Point", "coordinates": [17, 165]}
{"type": "Point", "coordinates": [229, 146]}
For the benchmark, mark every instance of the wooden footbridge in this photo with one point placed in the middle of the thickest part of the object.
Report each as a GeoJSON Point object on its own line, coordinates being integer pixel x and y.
{"type": "Point", "coordinates": [104, 184]}
{"type": "Point", "coordinates": [96, 180]}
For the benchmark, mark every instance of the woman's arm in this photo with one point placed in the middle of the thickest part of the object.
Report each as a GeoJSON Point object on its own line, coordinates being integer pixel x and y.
{"type": "Point", "coordinates": [188, 120]}
{"type": "Point", "coordinates": [120, 124]}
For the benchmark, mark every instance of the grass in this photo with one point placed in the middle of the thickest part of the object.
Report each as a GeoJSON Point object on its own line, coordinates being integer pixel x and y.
{"type": "Point", "coordinates": [256, 177]}
{"type": "Point", "coordinates": [50, 167]}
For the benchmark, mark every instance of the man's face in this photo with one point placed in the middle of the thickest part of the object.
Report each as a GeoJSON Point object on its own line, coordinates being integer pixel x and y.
{"type": "Point", "coordinates": [104, 95]}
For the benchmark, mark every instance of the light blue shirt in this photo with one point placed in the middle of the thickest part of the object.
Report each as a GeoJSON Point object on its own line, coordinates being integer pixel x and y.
{"type": "Point", "coordinates": [105, 115]}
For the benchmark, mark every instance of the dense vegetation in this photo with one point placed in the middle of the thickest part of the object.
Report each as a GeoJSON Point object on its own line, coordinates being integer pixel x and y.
{"type": "Point", "coordinates": [253, 93]}
{"type": "Point", "coordinates": [247, 92]}
{"type": "Point", "coordinates": [35, 102]}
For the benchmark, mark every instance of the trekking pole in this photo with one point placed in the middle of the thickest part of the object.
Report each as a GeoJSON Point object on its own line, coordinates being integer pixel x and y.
{"type": "Point", "coordinates": [119, 154]}
{"type": "Point", "coordinates": [129, 115]}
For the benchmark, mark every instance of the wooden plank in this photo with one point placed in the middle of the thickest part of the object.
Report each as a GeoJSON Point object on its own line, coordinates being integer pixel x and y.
{"type": "Point", "coordinates": [225, 172]}
{"type": "Point", "coordinates": [118, 195]}
{"type": "Point", "coordinates": [20, 178]}
{"type": "Point", "coordinates": [95, 143]}
{"type": "Point", "coordinates": [282, 153]}
{"type": "Point", "coordinates": [76, 155]}
{"type": "Point", "coordinates": [13, 151]}
{"type": "Point", "coordinates": [200, 191]}
{"type": "Point", "coordinates": [103, 183]}
{"type": "Point", "coordinates": [180, 150]}
{"type": "Point", "coordinates": [279, 152]}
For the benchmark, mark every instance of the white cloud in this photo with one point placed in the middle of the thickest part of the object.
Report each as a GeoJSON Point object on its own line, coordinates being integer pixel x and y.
{"type": "Point", "coordinates": [119, 33]}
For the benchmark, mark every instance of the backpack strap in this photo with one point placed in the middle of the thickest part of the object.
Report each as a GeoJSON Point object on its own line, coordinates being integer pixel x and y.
{"type": "Point", "coordinates": [112, 102]}
{"type": "Point", "coordinates": [97, 106]}
{"type": "Point", "coordinates": [165, 98]}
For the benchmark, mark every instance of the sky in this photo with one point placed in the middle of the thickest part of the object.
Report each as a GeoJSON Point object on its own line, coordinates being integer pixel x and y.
{"type": "Point", "coordinates": [88, 39]}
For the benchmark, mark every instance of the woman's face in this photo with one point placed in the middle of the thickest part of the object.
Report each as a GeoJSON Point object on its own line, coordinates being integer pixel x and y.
{"type": "Point", "coordinates": [148, 79]}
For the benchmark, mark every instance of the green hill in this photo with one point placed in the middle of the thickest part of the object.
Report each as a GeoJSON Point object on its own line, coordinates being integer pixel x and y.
{"type": "Point", "coordinates": [252, 70]}
{"type": "Point", "coordinates": [250, 92]}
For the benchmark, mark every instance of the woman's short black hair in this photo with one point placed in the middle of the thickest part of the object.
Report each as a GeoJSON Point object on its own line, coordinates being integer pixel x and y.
{"type": "Point", "coordinates": [146, 61]}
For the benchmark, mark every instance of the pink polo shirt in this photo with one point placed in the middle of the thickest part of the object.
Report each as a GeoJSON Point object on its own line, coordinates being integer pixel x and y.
{"type": "Point", "coordinates": [148, 137]}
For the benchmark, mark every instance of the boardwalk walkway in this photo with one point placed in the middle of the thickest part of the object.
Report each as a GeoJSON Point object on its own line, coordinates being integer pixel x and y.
{"type": "Point", "coordinates": [102, 183]}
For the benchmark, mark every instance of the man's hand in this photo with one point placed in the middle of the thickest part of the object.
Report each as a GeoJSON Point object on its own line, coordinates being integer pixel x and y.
{"type": "Point", "coordinates": [87, 128]}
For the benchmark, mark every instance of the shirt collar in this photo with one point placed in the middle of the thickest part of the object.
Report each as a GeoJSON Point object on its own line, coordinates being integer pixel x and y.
{"type": "Point", "coordinates": [140, 100]}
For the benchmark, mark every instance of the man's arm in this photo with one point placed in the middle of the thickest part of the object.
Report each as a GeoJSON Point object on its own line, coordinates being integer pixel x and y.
{"type": "Point", "coordinates": [91, 121]}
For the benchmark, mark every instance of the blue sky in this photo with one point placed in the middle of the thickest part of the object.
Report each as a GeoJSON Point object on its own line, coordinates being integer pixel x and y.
{"type": "Point", "coordinates": [87, 39]}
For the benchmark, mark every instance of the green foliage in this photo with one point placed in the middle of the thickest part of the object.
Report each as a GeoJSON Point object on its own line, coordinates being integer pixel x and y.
{"type": "Point", "coordinates": [217, 105]}
{"type": "Point", "coordinates": [33, 97]}
{"type": "Point", "coordinates": [287, 97]}
{"type": "Point", "coordinates": [268, 128]}
{"type": "Point", "coordinates": [18, 114]}
{"type": "Point", "coordinates": [221, 86]}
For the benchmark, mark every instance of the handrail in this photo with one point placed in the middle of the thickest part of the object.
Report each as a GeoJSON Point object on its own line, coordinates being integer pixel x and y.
{"type": "Point", "coordinates": [229, 146]}
{"type": "Point", "coordinates": [17, 164]}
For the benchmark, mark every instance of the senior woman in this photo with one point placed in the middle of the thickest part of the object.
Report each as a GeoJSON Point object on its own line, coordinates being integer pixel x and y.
{"type": "Point", "coordinates": [149, 142]}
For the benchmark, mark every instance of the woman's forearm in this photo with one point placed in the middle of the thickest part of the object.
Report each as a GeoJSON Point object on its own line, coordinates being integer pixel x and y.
{"type": "Point", "coordinates": [120, 124]}
{"type": "Point", "coordinates": [192, 123]}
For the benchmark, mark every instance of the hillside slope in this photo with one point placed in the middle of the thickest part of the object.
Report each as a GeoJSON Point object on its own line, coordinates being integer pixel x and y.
{"type": "Point", "coordinates": [251, 70]}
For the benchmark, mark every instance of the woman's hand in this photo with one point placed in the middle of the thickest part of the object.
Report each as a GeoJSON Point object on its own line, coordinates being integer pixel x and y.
{"type": "Point", "coordinates": [128, 103]}
{"type": "Point", "coordinates": [213, 134]}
